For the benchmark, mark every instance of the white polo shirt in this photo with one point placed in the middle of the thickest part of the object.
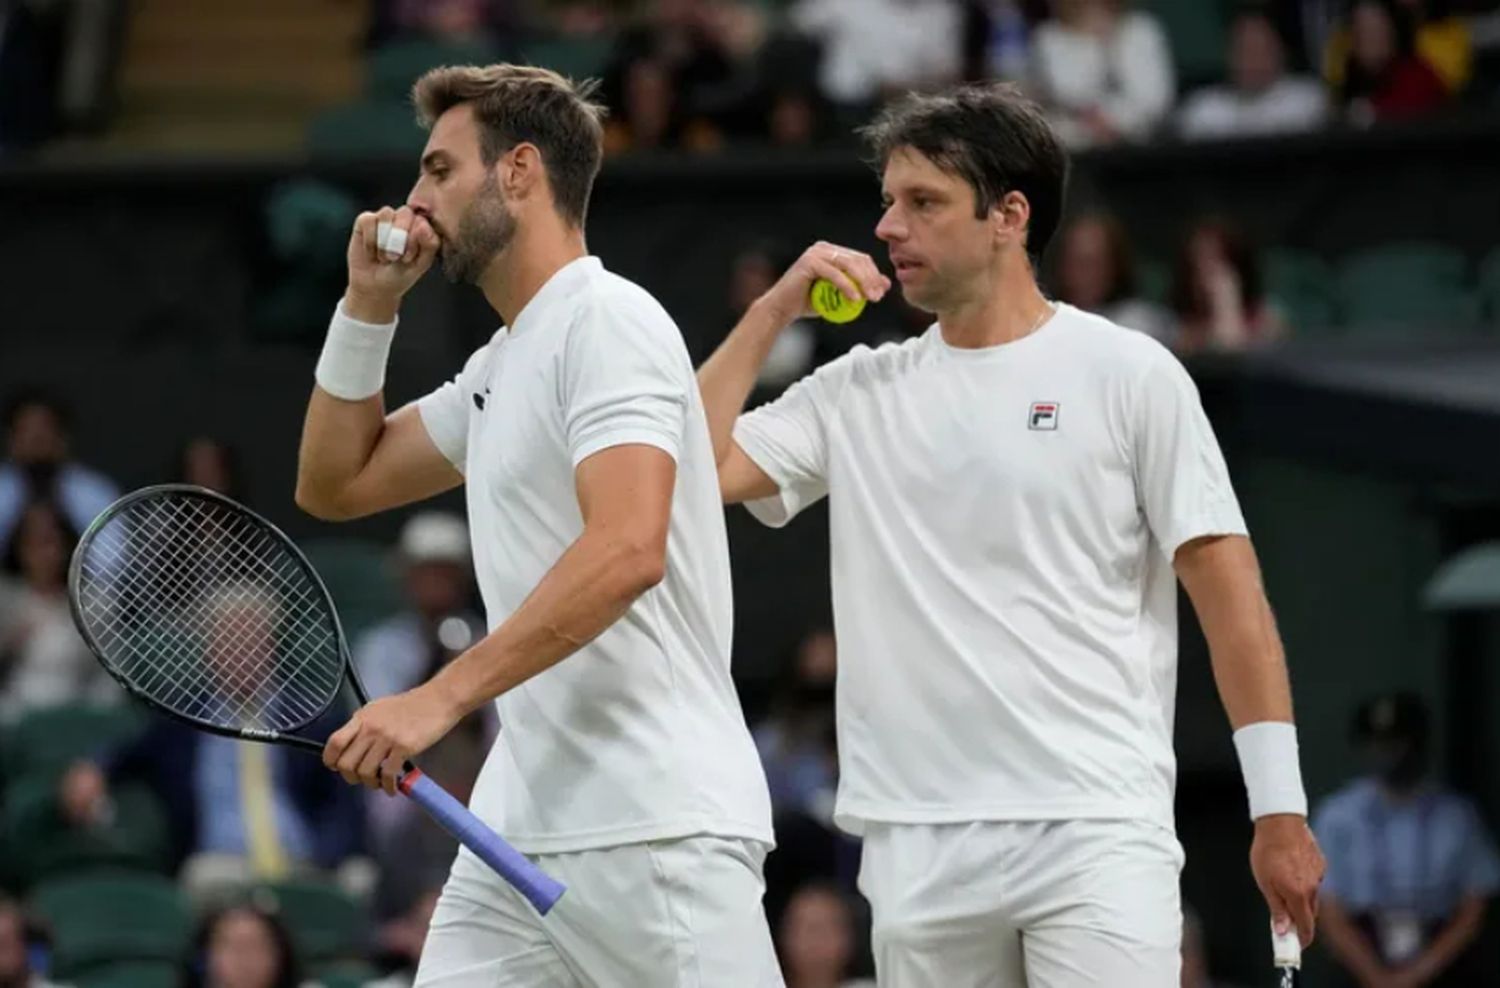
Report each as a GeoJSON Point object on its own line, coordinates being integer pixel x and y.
{"type": "Point", "coordinates": [639, 734]}
{"type": "Point", "coordinates": [1003, 523]}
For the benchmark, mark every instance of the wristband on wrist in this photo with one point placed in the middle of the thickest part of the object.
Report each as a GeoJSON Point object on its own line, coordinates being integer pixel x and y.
{"type": "Point", "coordinates": [1269, 764]}
{"type": "Point", "coordinates": [352, 365]}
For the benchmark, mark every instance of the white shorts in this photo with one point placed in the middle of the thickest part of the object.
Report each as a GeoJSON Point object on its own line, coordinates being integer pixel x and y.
{"type": "Point", "coordinates": [670, 914]}
{"type": "Point", "coordinates": [1062, 904]}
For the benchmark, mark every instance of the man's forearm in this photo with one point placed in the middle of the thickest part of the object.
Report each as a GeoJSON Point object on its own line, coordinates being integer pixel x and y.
{"type": "Point", "coordinates": [1348, 943]}
{"type": "Point", "coordinates": [338, 438]}
{"type": "Point", "coordinates": [1454, 939]}
{"type": "Point", "coordinates": [727, 378]}
{"type": "Point", "coordinates": [589, 588]}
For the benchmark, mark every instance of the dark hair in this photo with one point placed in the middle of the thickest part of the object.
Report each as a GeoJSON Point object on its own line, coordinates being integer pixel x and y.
{"type": "Point", "coordinates": [11, 561]}
{"type": "Point", "coordinates": [516, 104]}
{"type": "Point", "coordinates": [1393, 716]}
{"type": "Point", "coordinates": [33, 397]}
{"type": "Point", "coordinates": [1238, 252]}
{"type": "Point", "coordinates": [991, 136]}
{"type": "Point", "coordinates": [288, 970]}
{"type": "Point", "coordinates": [1358, 80]}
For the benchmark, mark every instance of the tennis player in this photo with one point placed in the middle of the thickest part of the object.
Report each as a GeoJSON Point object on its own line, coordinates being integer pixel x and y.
{"type": "Point", "coordinates": [623, 764]}
{"type": "Point", "coordinates": [1010, 495]}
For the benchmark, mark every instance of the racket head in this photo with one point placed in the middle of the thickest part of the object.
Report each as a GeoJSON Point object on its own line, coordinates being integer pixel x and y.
{"type": "Point", "coordinates": [208, 612]}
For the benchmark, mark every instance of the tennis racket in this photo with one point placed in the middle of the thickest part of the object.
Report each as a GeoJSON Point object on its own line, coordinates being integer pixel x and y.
{"type": "Point", "coordinates": [1287, 952]}
{"type": "Point", "coordinates": [206, 611]}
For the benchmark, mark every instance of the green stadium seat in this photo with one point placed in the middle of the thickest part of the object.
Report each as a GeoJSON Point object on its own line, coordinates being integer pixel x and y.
{"type": "Point", "coordinates": [131, 974]}
{"type": "Point", "coordinates": [1198, 32]}
{"type": "Point", "coordinates": [1301, 284]}
{"type": "Point", "coordinates": [576, 58]}
{"type": "Point", "coordinates": [1413, 288]}
{"type": "Point", "coordinates": [40, 846]}
{"type": "Point", "coordinates": [1489, 288]}
{"type": "Point", "coordinates": [360, 577]}
{"type": "Point", "coordinates": [325, 924]}
{"type": "Point", "coordinates": [393, 68]}
{"type": "Point", "coordinates": [1153, 280]}
{"type": "Point", "coordinates": [47, 741]}
{"type": "Point", "coordinates": [366, 128]}
{"type": "Point", "coordinates": [343, 974]}
{"type": "Point", "coordinates": [110, 917]}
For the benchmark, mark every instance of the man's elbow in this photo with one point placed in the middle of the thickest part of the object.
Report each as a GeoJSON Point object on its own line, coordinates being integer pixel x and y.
{"type": "Point", "coordinates": [320, 505]}
{"type": "Point", "coordinates": [641, 566]}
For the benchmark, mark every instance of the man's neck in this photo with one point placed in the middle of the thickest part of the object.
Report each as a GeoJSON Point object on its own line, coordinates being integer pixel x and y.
{"type": "Point", "coordinates": [519, 271]}
{"type": "Point", "coordinates": [1009, 307]}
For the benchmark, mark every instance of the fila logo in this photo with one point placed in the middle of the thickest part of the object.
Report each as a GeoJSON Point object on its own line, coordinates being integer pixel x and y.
{"type": "Point", "coordinates": [1043, 416]}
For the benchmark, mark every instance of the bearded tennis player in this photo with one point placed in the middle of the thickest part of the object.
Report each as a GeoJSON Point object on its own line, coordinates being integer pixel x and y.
{"type": "Point", "coordinates": [1013, 496]}
{"type": "Point", "coordinates": [623, 766]}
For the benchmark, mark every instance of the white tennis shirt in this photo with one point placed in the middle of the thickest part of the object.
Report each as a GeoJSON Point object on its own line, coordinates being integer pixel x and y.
{"type": "Point", "coordinates": [639, 734]}
{"type": "Point", "coordinates": [1003, 522]}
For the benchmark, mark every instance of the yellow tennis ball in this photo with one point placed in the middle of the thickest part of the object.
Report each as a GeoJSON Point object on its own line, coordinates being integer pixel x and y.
{"type": "Point", "coordinates": [832, 304]}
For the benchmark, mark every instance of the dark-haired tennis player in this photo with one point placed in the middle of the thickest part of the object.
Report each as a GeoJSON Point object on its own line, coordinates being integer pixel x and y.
{"type": "Point", "coordinates": [623, 764]}
{"type": "Point", "coordinates": [1013, 496]}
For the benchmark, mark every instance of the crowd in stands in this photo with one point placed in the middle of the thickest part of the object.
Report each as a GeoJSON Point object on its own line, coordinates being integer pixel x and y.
{"type": "Point", "coordinates": [705, 74]}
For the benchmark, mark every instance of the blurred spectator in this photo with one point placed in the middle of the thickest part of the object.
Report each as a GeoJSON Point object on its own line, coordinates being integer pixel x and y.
{"type": "Point", "coordinates": [753, 273]}
{"type": "Point", "coordinates": [210, 463]}
{"type": "Point", "coordinates": [1383, 76]}
{"type": "Point", "coordinates": [1104, 72]}
{"type": "Point", "coordinates": [817, 940]}
{"type": "Point", "coordinates": [1095, 272]}
{"type": "Point", "coordinates": [38, 466]}
{"type": "Point", "coordinates": [403, 651]}
{"type": "Point", "coordinates": [877, 48]}
{"type": "Point", "coordinates": [17, 959]}
{"type": "Point", "coordinates": [796, 742]}
{"type": "Point", "coordinates": [43, 660]}
{"type": "Point", "coordinates": [1261, 97]}
{"type": "Point", "coordinates": [682, 76]}
{"type": "Point", "coordinates": [399, 942]}
{"type": "Point", "coordinates": [1194, 956]}
{"type": "Point", "coordinates": [1217, 293]}
{"type": "Point", "coordinates": [452, 21]}
{"type": "Point", "coordinates": [241, 946]}
{"type": "Point", "coordinates": [1442, 40]}
{"type": "Point", "coordinates": [1411, 867]}
{"type": "Point", "coordinates": [794, 111]}
{"type": "Point", "coordinates": [238, 811]}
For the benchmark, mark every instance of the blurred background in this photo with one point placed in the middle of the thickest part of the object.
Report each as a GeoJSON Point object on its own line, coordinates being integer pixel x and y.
{"type": "Point", "coordinates": [1298, 196]}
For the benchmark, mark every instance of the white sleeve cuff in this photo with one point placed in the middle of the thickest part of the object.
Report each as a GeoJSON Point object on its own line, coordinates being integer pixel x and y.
{"type": "Point", "coordinates": [1273, 774]}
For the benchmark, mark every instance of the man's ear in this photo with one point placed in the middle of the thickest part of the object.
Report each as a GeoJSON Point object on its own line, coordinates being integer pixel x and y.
{"type": "Point", "coordinates": [521, 171]}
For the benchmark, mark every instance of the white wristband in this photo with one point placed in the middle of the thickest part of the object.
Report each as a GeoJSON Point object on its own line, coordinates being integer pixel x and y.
{"type": "Point", "coordinates": [352, 366]}
{"type": "Point", "coordinates": [1269, 763]}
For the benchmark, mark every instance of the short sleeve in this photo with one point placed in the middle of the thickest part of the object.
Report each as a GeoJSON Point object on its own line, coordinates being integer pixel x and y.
{"type": "Point", "coordinates": [788, 439]}
{"type": "Point", "coordinates": [445, 411]}
{"type": "Point", "coordinates": [626, 379]}
{"type": "Point", "coordinates": [1481, 864]}
{"type": "Point", "coordinates": [1181, 478]}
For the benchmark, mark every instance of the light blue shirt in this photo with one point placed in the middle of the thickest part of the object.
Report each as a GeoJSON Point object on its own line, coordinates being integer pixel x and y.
{"type": "Point", "coordinates": [1424, 855]}
{"type": "Point", "coordinates": [81, 494]}
{"type": "Point", "coordinates": [221, 814]}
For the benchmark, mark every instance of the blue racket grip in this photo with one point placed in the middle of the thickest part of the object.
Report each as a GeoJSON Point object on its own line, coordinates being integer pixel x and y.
{"type": "Point", "coordinates": [539, 888]}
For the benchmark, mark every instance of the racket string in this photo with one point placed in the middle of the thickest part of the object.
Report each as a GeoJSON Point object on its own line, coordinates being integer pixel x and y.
{"type": "Point", "coordinates": [204, 609]}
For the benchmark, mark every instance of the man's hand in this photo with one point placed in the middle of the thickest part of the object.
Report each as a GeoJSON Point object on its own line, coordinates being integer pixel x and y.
{"type": "Point", "coordinates": [853, 271]}
{"type": "Point", "coordinates": [1288, 867]}
{"type": "Point", "coordinates": [379, 280]}
{"type": "Point", "coordinates": [373, 748]}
